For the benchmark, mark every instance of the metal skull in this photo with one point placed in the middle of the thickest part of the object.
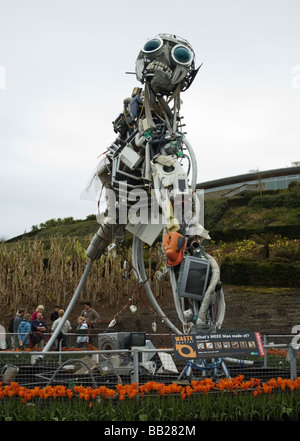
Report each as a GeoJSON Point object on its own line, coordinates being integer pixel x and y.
{"type": "Point", "coordinates": [165, 63]}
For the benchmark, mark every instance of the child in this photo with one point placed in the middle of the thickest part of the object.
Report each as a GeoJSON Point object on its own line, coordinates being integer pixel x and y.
{"type": "Point", "coordinates": [24, 329]}
{"type": "Point", "coordinates": [83, 337]}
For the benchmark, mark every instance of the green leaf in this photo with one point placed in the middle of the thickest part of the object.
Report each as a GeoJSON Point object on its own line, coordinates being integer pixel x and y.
{"type": "Point", "coordinates": [143, 417]}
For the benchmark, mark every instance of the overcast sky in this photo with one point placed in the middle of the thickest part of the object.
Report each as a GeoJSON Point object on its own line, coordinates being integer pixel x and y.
{"type": "Point", "coordinates": [63, 81]}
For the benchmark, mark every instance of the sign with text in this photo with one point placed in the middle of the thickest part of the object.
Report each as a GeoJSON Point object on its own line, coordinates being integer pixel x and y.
{"type": "Point", "coordinates": [233, 343]}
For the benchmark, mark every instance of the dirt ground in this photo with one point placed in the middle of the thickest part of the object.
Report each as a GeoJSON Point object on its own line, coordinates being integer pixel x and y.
{"type": "Point", "coordinates": [259, 309]}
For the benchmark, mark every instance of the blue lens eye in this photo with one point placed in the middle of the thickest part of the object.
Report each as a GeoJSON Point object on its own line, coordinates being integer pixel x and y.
{"type": "Point", "coordinates": [182, 55]}
{"type": "Point", "coordinates": [152, 45]}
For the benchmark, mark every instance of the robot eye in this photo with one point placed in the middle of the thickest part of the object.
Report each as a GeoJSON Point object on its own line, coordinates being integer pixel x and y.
{"type": "Point", "coordinates": [182, 55]}
{"type": "Point", "coordinates": [152, 45]}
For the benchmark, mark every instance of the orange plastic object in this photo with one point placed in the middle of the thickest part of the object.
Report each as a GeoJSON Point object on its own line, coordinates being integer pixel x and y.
{"type": "Point", "coordinates": [174, 244]}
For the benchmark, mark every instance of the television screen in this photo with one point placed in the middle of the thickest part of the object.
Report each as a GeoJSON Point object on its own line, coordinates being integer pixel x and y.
{"type": "Point", "coordinates": [193, 277]}
{"type": "Point", "coordinates": [138, 339]}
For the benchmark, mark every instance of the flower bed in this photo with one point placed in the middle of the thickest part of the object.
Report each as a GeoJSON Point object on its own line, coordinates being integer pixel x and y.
{"type": "Point", "coordinates": [229, 399]}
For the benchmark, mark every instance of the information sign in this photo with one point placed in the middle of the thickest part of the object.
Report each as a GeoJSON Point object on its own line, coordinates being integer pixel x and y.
{"type": "Point", "coordinates": [232, 343]}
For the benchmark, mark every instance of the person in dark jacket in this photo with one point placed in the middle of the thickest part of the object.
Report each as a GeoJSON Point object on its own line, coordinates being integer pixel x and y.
{"type": "Point", "coordinates": [38, 328]}
{"type": "Point", "coordinates": [54, 314]}
{"type": "Point", "coordinates": [18, 318]}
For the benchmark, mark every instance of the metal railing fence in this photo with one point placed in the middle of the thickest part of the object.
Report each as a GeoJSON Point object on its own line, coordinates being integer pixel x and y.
{"type": "Point", "coordinates": [69, 366]}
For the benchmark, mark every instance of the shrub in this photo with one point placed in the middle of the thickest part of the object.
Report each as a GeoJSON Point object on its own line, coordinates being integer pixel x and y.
{"type": "Point", "coordinates": [235, 234]}
{"type": "Point", "coordinates": [261, 273]}
{"type": "Point", "coordinates": [214, 210]}
{"type": "Point", "coordinates": [287, 198]}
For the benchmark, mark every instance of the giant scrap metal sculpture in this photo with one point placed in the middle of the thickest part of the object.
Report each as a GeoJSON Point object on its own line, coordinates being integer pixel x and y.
{"type": "Point", "coordinates": [152, 160]}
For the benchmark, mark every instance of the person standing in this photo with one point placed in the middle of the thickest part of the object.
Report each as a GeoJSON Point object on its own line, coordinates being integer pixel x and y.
{"type": "Point", "coordinates": [83, 329]}
{"type": "Point", "coordinates": [90, 315]}
{"type": "Point", "coordinates": [18, 318]}
{"type": "Point", "coordinates": [55, 314]}
{"type": "Point", "coordinates": [64, 330]}
{"type": "Point", "coordinates": [40, 309]}
{"type": "Point", "coordinates": [24, 331]}
{"type": "Point", "coordinates": [3, 343]}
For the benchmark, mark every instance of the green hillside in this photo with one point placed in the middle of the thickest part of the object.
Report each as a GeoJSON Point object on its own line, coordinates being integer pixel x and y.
{"type": "Point", "coordinates": [68, 227]}
{"type": "Point", "coordinates": [231, 219]}
{"type": "Point", "coordinates": [227, 219]}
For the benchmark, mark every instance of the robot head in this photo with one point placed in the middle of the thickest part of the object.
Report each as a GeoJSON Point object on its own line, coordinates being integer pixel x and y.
{"type": "Point", "coordinates": [164, 62]}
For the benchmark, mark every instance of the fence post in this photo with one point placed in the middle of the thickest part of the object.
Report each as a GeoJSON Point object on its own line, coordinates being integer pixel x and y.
{"type": "Point", "coordinates": [292, 359]}
{"type": "Point", "coordinates": [266, 357]}
{"type": "Point", "coordinates": [135, 376]}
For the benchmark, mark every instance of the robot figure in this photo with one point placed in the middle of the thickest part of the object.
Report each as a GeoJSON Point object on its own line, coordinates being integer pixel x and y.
{"type": "Point", "coordinates": [151, 160]}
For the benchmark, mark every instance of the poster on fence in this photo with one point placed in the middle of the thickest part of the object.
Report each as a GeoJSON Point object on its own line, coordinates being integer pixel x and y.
{"type": "Point", "coordinates": [232, 343]}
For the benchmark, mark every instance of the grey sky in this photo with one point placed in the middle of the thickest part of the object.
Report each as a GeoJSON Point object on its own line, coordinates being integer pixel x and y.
{"type": "Point", "coordinates": [62, 83]}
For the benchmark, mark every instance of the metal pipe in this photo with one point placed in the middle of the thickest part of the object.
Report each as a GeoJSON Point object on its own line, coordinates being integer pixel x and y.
{"type": "Point", "coordinates": [215, 277]}
{"type": "Point", "coordinates": [193, 162]}
{"type": "Point", "coordinates": [186, 325]}
{"type": "Point", "coordinates": [76, 360]}
{"type": "Point", "coordinates": [137, 250]}
{"type": "Point", "coordinates": [68, 310]}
